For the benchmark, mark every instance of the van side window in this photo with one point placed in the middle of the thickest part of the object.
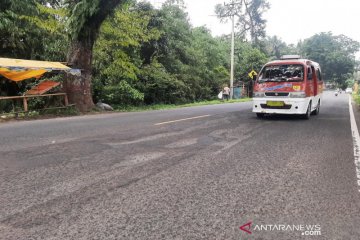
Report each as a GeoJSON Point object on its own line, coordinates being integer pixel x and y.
{"type": "Point", "coordinates": [318, 74]}
{"type": "Point", "coordinates": [309, 74]}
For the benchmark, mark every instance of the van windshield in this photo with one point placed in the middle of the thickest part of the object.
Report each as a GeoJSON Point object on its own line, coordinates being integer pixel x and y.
{"type": "Point", "coordinates": [282, 73]}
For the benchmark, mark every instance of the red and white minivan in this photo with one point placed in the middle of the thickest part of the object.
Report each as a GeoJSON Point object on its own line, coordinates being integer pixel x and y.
{"type": "Point", "coordinates": [291, 85]}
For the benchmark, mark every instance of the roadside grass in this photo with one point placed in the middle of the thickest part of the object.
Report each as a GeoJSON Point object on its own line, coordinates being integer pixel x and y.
{"type": "Point", "coordinates": [39, 114]}
{"type": "Point", "coordinates": [356, 98]}
{"type": "Point", "coordinates": [172, 106]}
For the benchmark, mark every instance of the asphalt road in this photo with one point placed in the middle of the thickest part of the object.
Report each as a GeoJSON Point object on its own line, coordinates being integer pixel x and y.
{"type": "Point", "coordinates": [141, 176]}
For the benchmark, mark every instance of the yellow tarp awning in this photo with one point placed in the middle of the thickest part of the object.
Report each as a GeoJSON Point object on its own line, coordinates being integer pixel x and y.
{"type": "Point", "coordinates": [21, 63]}
{"type": "Point", "coordinates": [19, 69]}
{"type": "Point", "coordinates": [21, 75]}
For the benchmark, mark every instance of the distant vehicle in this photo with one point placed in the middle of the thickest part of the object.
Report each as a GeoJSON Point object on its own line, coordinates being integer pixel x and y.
{"type": "Point", "coordinates": [348, 90]}
{"type": "Point", "coordinates": [291, 85]}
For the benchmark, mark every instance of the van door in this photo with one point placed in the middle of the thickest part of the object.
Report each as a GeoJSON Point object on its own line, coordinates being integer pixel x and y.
{"type": "Point", "coordinates": [315, 81]}
{"type": "Point", "coordinates": [319, 81]}
{"type": "Point", "coordinates": [309, 82]}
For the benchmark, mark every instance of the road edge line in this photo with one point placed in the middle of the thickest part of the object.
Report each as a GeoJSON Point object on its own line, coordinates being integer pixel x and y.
{"type": "Point", "coordinates": [356, 142]}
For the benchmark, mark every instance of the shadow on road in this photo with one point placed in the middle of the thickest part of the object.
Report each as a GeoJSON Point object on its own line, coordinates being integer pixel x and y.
{"type": "Point", "coordinates": [281, 117]}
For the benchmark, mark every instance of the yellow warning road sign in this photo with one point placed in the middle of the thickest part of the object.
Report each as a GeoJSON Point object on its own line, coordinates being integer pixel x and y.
{"type": "Point", "coordinates": [252, 74]}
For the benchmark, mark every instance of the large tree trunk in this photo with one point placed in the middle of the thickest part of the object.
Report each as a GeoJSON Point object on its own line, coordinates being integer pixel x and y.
{"type": "Point", "coordinates": [80, 52]}
{"type": "Point", "coordinates": [78, 88]}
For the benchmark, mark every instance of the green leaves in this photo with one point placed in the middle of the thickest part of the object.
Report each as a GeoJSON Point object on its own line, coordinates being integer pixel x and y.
{"type": "Point", "coordinates": [52, 20]}
{"type": "Point", "coordinates": [117, 51]}
{"type": "Point", "coordinates": [122, 94]}
{"type": "Point", "coordinates": [335, 54]}
{"type": "Point", "coordinates": [81, 13]}
{"type": "Point", "coordinates": [161, 87]}
{"type": "Point", "coordinates": [250, 17]}
{"type": "Point", "coordinates": [158, 53]}
{"type": "Point", "coordinates": [31, 30]}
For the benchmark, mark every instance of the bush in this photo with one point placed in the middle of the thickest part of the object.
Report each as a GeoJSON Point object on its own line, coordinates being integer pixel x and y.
{"type": "Point", "coordinates": [161, 87]}
{"type": "Point", "coordinates": [122, 94]}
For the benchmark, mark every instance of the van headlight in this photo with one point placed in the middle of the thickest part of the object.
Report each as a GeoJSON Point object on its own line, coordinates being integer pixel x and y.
{"type": "Point", "coordinates": [297, 94]}
{"type": "Point", "coordinates": [258, 94]}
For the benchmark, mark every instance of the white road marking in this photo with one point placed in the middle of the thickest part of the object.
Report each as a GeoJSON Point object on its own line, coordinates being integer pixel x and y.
{"type": "Point", "coordinates": [179, 120]}
{"type": "Point", "coordinates": [356, 141]}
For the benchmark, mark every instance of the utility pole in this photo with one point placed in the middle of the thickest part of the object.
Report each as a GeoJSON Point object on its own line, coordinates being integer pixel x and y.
{"type": "Point", "coordinates": [232, 57]}
{"type": "Point", "coordinates": [231, 14]}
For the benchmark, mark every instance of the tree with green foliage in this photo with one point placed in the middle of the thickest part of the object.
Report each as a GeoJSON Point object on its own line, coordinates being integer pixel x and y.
{"type": "Point", "coordinates": [15, 31]}
{"type": "Point", "coordinates": [335, 54]}
{"type": "Point", "coordinates": [32, 30]}
{"type": "Point", "coordinates": [84, 24]}
{"type": "Point", "coordinates": [248, 58]}
{"type": "Point", "coordinates": [184, 64]}
{"type": "Point", "coordinates": [191, 55]}
{"type": "Point", "coordinates": [117, 60]}
{"type": "Point", "coordinates": [250, 17]}
{"type": "Point", "coordinates": [170, 57]}
{"type": "Point", "coordinates": [210, 63]}
{"type": "Point", "coordinates": [275, 47]}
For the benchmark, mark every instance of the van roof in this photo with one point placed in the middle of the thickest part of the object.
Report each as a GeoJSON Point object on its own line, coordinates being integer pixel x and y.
{"type": "Point", "coordinates": [294, 61]}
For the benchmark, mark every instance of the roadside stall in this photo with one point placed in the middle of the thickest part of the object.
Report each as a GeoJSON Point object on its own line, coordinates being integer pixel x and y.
{"type": "Point", "coordinates": [19, 70]}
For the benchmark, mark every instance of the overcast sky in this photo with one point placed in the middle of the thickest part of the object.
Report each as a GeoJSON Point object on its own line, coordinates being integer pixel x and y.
{"type": "Point", "coordinates": [290, 20]}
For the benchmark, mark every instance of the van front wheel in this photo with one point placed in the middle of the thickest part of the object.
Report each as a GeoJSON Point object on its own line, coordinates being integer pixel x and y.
{"type": "Point", "coordinates": [317, 110]}
{"type": "Point", "coordinates": [308, 112]}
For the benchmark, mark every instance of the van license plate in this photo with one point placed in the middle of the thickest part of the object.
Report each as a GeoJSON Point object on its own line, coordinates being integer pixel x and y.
{"type": "Point", "coordinates": [275, 103]}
